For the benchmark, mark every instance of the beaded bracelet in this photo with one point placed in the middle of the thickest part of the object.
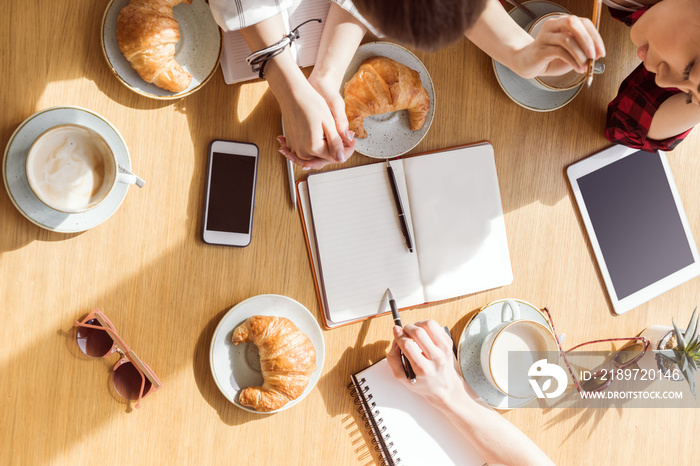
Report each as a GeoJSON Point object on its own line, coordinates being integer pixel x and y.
{"type": "Point", "coordinates": [258, 60]}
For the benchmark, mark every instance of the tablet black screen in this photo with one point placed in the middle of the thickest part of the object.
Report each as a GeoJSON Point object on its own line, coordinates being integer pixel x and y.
{"type": "Point", "coordinates": [636, 221]}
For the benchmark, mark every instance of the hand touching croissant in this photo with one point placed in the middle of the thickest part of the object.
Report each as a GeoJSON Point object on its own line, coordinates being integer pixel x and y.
{"type": "Point", "coordinates": [287, 360]}
{"type": "Point", "coordinates": [382, 85]}
{"type": "Point", "coordinates": [146, 34]}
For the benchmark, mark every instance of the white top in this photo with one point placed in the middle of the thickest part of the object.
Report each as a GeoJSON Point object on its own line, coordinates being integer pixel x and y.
{"type": "Point", "coordinates": [232, 15]}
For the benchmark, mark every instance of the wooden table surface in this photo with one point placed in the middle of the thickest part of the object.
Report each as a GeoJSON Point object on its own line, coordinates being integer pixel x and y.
{"type": "Point", "coordinates": [165, 290]}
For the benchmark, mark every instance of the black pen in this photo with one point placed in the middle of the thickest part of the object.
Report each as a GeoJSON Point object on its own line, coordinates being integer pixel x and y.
{"type": "Point", "coordinates": [408, 370]}
{"type": "Point", "coordinates": [399, 207]}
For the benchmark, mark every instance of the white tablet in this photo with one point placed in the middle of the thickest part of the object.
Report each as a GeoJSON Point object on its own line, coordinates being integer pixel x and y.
{"type": "Point", "coordinates": [636, 223]}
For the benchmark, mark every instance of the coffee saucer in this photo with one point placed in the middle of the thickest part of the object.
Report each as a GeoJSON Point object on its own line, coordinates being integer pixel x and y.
{"type": "Point", "coordinates": [473, 336]}
{"type": "Point", "coordinates": [519, 89]}
{"type": "Point", "coordinates": [15, 176]}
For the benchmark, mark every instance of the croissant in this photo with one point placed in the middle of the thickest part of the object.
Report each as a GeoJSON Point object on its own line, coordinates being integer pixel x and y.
{"type": "Point", "coordinates": [382, 85]}
{"type": "Point", "coordinates": [287, 360]}
{"type": "Point", "coordinates": [146, 34]}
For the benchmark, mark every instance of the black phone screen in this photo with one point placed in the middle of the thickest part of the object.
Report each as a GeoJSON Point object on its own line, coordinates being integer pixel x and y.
{"type": "Point", "coordinates": [231, 189]}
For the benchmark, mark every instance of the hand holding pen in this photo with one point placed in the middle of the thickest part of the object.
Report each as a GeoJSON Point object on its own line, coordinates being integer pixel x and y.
{"type": "Point", "coordinates": [405, 363]}
{"type": "Point", "coordinates": [430, 350]}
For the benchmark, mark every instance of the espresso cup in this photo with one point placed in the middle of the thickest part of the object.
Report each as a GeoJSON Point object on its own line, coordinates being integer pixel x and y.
{"type": "Point", "coordinates": [563, 82]}
{"type": "Point", "coordinates": [72, 169]}
{"type": "Point", "coordinates": [522, 342]}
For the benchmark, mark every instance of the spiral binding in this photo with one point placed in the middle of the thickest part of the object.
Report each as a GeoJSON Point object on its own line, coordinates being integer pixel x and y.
{"type": "Point", "coordinates": [371, 416]}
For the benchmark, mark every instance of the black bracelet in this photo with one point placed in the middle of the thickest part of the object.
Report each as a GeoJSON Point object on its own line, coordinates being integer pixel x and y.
{"type": "Point", "coordinates": [258, 60]}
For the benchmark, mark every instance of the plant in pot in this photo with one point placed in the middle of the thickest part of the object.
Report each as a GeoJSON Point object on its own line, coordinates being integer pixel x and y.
{"type": "Point", "coordinates": [675, 350]}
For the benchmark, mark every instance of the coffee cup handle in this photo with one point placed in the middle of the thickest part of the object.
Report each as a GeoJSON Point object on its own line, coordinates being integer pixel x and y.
{"type": "Point", "coordinates": [126, 178]}
{"type": "Point", "coordinates": [514, 310]}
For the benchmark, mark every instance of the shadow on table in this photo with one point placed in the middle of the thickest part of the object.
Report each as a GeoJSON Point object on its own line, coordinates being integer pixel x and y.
{"type": "Point", "coordinates": [334, 389]}
{"type": "Point", "coordinates": [228, 412]}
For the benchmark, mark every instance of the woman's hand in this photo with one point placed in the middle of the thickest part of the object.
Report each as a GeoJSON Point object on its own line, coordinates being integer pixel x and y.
{"type": "Point", "coordinates": [563, 43]}
{"type": "Point", "coordinates": [312, 138]}
{"type": "Point", "coordinates": [429, 349]}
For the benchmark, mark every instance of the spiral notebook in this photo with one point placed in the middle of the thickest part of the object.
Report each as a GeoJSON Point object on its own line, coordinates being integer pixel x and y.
{"type": "Point", "coordinates": [406, 428]}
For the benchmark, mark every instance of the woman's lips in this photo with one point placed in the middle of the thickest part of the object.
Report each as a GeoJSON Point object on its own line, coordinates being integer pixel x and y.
{"type": "Point", "coordinates": [642, 52]}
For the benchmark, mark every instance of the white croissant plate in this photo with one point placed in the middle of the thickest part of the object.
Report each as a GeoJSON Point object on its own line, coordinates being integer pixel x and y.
{"type": "Point", "coordinates": [198, 50]}
{"type": "Point", "coordinates": [389, 134]}
{"type": "Point", "coordinates": [236, 367]}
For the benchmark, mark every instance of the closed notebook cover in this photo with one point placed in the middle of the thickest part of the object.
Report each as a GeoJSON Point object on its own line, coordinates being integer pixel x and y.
{"type": "Point", "coordinates": [408, 430]}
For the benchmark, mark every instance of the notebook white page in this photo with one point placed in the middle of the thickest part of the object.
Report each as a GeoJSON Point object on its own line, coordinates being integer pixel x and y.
{"type": "Point", "coordinates": [420, 433]}
{"type": "Point", "coordinates": [458, 222]}
{"type": "Point", "coordinates": [361, 250]}
{"type": "Point", "coordinates": [304, 50]}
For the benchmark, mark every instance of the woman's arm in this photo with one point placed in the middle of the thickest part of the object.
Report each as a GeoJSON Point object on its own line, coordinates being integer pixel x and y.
{"type": "Point", "coordinates": [673, 117]}
{"type": "Point", "coordinates": [429, 349]}
{"type": "Point", "coordinates": [342, 35]}
{"type": "Point", "coordinates": [564, 43]}
{"type": "Point", "coordinates": [309, 124]}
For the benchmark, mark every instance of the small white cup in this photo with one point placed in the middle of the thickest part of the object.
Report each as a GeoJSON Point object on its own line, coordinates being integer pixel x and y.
{"type": "Point", "coordinates": [563, 82]}
{"type": "Point", "coordinates": [72, 169]}
{"type": "Point", "coordinates": [530, 339]}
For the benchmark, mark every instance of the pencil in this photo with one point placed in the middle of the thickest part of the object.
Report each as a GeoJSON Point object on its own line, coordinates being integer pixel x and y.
{"type": "Point", "coordinates": [597, 7]}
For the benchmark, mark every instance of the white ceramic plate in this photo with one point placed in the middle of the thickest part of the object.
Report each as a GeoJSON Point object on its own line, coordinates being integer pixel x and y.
{"type": "Point", "coordinates": [519, 89]}
{"type": "Point", "coordinates": [389, 134]}
{"type": "Point", "coordinates": [198, 50]}
{"type": "Point", "coordinates": [15, 176]}
{"type": "Point", "coordinates": [469, 352]}
{"type": "Point", "coordinates": [236, 367]}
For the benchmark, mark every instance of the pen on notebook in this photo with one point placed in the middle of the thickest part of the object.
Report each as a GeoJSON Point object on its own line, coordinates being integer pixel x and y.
{"type": "Point", "coordinates": [597, 6]}
{"type": "Point", "coordinates": [290, 177]}
{"type": "Point", "coordinates": [408, 370]}
{"type": "Point", "coordinates": [399, 207]}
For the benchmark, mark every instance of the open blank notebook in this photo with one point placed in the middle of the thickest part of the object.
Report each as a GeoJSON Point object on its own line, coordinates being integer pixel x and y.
{"type": "Point", "coordinates": [408, 430]}
{"type": "Point", "coordinates": [453, 209]}
{"type": "Point", "coordinates": [233, 58]}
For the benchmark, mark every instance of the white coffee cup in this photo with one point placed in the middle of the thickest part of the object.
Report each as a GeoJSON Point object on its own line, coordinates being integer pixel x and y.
{"type": "Point", "coordinates": [563, 82]}
{"type": "Point", "coordinates": [72, 169]}
{"type": "Point", "coordinates": [526, 340]}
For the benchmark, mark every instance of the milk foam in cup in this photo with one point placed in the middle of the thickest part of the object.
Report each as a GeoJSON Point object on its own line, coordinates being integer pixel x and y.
{"type": "Point", "coordinates": [71, 168]}
{"type": "Point", "coordinates": [512, 347]}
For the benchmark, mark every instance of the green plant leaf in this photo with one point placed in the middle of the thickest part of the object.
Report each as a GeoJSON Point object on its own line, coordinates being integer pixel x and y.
{"type": "Point", "coordinates": [668, 354]}
{"type": "Point", "coordinates": [689, 332]}
{"type": "Point", "coordinates": [680, 341]}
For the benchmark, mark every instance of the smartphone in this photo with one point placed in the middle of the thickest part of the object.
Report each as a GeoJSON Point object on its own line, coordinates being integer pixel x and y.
{"type": "Point", "coordinates": [229, 199]}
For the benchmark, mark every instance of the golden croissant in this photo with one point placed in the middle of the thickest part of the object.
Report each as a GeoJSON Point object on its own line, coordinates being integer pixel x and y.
{"type": "Point", "coordinates": [146, 35]}
{"type": "Point", "coordinates": [382, 85]}
{"type": "Point", "coordinates": [287, 360]}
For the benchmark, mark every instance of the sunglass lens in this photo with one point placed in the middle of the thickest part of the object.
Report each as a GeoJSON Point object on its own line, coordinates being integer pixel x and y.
{"type": "Point", "coordinates": [93, 342]}
{"type": "Point", "coordinates": [629, 354]}
{"type": "Point", "coordinates": [598, 381]}
{"type": "Point", "coordinates": [127, 381]}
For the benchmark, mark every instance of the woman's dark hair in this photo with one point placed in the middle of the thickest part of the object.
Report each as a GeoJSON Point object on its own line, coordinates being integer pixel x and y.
{"type": "Point", "coordinates": [424, 24]}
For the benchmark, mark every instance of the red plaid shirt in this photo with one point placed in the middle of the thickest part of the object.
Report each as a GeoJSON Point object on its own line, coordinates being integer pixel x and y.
{"type": "Point", "coordinates": [630, 113]}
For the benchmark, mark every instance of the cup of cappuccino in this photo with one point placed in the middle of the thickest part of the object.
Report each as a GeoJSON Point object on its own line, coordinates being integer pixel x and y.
{"type": "Point", "coordinates": [562, 82]}
{"type": "Point", "coordinates": [72, 169]}
{"type": "Point", "coordinates": [512, 347]}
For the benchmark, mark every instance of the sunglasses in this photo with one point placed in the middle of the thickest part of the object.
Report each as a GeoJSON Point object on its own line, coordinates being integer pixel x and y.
{"type": "Point", "coordinates": [628, 355]}
{"type": "Point", "coordinates": [131, 377]}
